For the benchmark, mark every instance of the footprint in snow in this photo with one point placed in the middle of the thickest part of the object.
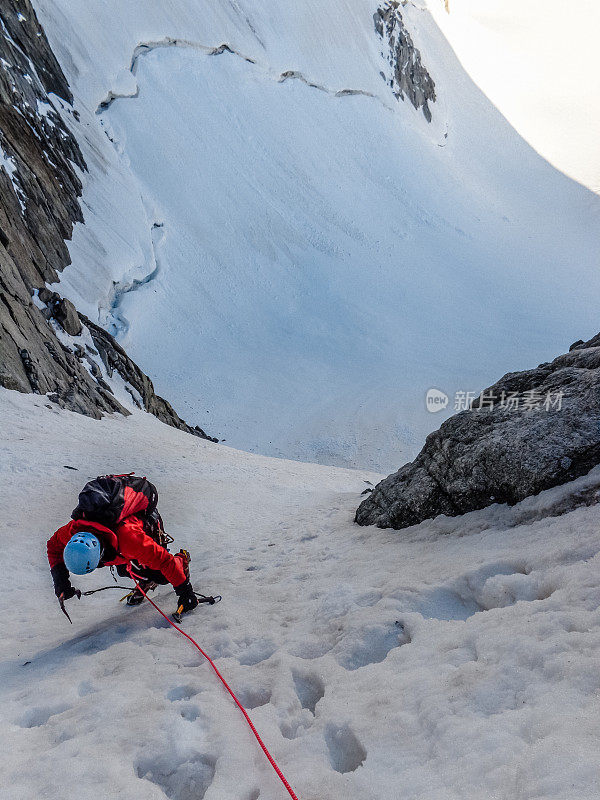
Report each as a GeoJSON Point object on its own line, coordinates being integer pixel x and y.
{"type": "Point", "coordinates": [190, 712]}
{"type": "Point", "coordinates": [40, 715]}
{"type": "Point", "coordinates": [346, 753]}
{"type": "Point", "coordinates": [370, 645]}
{"type": "Point", "coordinates": [495, 585]}
{"type": "Point", "coordinates": [182, 693]}
{"type": "Point", "coordinates": [253, 696]}
{"type": "Point", "coordinates": [290, 728]}
{"type": "Point", "coordinates": [309, 649]}
{"type": "Point", "coordinates": [256, 651]}
{"type": "Point", "coordinates": [309, 689]}
{"type": "Point", "coordinates": [179, 778]}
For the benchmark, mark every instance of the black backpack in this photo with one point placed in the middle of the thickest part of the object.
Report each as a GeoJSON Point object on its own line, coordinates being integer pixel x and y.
{"type": "Point", "coordinates": [103, 499]}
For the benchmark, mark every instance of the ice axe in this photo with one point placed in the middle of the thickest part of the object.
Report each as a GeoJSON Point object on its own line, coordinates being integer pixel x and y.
{"type": "Point", "coordinates": [61, 600]}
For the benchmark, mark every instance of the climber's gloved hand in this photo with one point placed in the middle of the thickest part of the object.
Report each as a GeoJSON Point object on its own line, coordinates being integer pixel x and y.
{"type": "Point", "coordinates": [68, 593]}
{"type": "Point", "coordinates": [62, 585]}
{"type": "Point", "coordinates": [186, 597]}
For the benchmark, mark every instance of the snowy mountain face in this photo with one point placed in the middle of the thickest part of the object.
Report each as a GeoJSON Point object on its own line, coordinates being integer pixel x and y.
{"type": "Point", "coordinates": [539, 64]}
{"type": "Point", "coordinates": [287, 245]}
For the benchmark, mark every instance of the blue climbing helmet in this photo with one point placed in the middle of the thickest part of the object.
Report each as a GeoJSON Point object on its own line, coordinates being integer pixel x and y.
{"type": "Point", "coordinates": [82, 553]}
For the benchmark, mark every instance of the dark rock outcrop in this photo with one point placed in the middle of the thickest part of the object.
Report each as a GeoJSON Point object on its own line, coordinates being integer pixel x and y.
{"type": "Point", "coordinates": [115, 359]}
{"type": "Point", "coordinates": [39, 204]}
{"type": "Point", "coordinates": [65, 313]}
{"type": "Point", "coordinates": [409, 77]}
{"type": "Point", "coordinates": [528, 432]}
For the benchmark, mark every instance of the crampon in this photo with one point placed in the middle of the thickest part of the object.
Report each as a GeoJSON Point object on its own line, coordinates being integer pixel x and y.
{"type": "Point", "coordinates": [177, 615]}
{"type": "Point", "coordinates": [135, 596]}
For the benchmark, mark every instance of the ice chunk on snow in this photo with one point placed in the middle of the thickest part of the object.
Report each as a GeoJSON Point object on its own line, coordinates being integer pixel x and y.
{"type": "Point", "coordinates": [124, 84]}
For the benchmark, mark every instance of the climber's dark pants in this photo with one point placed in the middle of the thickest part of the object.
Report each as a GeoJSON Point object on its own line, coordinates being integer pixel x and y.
{"type": "Point", "coordinates": [145, 573]}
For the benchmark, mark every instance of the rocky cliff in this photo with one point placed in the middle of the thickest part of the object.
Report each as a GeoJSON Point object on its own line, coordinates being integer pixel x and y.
{"type": "Point", "coordinates": [530, 431]}
{"type": "Point", "coordinates": [45, 345]}
{"type": "Point", "coordinates": [409, 76]}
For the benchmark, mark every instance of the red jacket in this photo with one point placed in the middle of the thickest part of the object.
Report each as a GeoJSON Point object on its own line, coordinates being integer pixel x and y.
{"type": "Point", "coordinates": [128, 541]}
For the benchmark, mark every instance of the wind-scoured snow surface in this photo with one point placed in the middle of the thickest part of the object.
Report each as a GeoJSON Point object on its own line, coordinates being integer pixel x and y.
{"type": "Point", "coordinates": [326, 255]}
{"type": "Point", "coordinates": [457, 660]}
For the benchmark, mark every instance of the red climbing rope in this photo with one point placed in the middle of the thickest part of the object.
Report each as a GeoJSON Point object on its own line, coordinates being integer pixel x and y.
{"type": "Point", "coordinates": [225, 684]}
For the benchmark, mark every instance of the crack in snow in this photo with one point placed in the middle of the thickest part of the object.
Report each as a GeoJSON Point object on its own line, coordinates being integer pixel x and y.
{"type": "Point", "coordinates": [120, 324]}
{"type": "Point", "coordinates": [145, 48]}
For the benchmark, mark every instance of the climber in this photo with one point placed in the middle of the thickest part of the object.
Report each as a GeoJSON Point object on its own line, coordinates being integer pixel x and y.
{"type": "Point", "coordinates": [116, 524]}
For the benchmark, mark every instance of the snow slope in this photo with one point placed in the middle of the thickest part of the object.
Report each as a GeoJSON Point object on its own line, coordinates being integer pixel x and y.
{"type": "Point", "coordinates": [324, 258]}
{"type": "Point", "coordinates": [457, 660]}
{"type": "Point", "coordinates": [539, 63]}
